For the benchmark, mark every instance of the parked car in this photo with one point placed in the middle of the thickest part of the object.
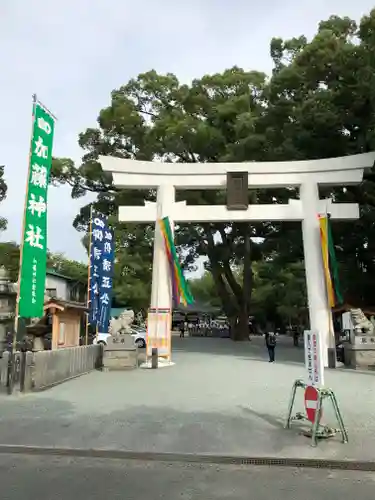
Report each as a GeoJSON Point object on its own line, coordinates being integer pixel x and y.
{"type": "Point", "coordinates": [138, 334]}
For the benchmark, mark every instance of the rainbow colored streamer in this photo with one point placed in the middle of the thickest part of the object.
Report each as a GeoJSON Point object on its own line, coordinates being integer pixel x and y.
{"type": "Point", "coordinates": [331, 270]}
{"type": "Point", "coordinates": [180, 287]}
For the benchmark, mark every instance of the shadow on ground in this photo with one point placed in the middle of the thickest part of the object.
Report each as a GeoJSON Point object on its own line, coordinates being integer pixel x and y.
{"type": "Point", "coordinates": [220, 397]}
{"type": "Point", "coordinates": [242, 432]}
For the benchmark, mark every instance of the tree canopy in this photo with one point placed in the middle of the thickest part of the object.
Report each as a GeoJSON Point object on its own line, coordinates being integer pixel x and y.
{"type": "Point", "coordinates": [319, 102]}
{"type": "Point", "coordinates": [279, 292]}
{"type": "Point", "coordinates": [10, 254]}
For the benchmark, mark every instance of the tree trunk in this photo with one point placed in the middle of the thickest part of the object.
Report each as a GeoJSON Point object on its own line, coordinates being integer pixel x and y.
{"type": "Point", "coordinates": [225, 296]}
{"type": "Point", "coordinates": [236, 300]}
{"type": "Point", "coordinates": [227, 299]}
{"type": "Point", "coordinates": [242, 329]}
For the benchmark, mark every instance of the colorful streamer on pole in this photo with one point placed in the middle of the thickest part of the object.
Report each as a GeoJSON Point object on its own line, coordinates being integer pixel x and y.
{"type": "Point", "coordinates": [331, 271]}
{"type": "Point", "coordinates": [179, 285]}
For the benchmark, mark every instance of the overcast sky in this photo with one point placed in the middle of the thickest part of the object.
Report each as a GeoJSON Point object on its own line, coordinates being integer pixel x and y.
{"type": "Point", "coordinates": [72, 53]}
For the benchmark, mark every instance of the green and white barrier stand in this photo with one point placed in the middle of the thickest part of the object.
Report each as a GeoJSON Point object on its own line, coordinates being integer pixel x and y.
{"type": "Point", "coordinates": [314, 398]}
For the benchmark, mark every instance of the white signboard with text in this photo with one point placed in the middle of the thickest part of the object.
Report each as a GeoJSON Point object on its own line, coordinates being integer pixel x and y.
{"type": "Point", "coordinates": [159, 332]}
{"type": "Point", "coordinates": [313, 359]}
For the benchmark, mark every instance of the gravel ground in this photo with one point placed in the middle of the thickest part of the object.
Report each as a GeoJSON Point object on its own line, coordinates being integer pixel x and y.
{"type": "Point", "coordinates": [219, 398]}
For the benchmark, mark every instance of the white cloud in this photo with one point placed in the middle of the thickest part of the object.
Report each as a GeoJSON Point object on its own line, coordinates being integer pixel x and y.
{"type": "Point", "coordinates": [73, 53]}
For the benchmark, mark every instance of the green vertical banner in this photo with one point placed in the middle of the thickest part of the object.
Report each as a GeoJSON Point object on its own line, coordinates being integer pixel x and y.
{"type": "Point", "coordinates": [34, 243]}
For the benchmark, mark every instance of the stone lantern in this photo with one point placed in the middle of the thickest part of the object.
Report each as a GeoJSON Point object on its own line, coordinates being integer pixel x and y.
{"type": "Point", "coordinates": [7, 306]}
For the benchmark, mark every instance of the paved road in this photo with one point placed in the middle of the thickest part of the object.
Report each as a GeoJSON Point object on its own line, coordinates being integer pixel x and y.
{"type": "Point", "coordinates": [24, 477]}
{"type": "Point", "coordinates": [220, 397]}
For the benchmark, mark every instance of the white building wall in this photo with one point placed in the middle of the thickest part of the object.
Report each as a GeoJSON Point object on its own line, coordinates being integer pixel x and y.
{"type": "Point", "coordinates": [61, 286]}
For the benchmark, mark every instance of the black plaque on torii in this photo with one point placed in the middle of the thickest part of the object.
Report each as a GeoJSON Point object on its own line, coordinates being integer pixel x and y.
{"type": "Point", "coordinates": [237, 190]}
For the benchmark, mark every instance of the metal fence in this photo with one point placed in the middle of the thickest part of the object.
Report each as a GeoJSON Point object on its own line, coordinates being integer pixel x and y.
{"type": "Point", "coordinates": [33, 371]}
{"type": "Point", "coordinates": [4, 360]}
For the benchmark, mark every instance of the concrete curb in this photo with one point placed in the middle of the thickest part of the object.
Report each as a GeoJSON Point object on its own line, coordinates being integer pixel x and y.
{"type": "Point", "coordinates": [316, 463]}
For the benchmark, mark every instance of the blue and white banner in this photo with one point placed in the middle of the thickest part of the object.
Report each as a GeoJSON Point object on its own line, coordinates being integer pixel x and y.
{"type": "Point", "coordinates": [101, 272]}
{"type": "Point", "coordinates": [105, 280]}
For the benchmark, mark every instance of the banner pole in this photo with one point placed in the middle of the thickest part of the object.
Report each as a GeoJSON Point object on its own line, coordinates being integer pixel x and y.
{"type": "Point", "coordinates": [157, 228]}
{"type": "Point", "coordinates": [88, 280]}
{"type": "Point", "coordinates": [46, 109]}
{"type": "Point", "coordinates": [16, 315]}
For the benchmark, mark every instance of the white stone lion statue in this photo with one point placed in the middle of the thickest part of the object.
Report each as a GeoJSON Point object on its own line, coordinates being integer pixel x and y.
{"type": "Point", "coordinates": [361, 324]}
{"type": "Point", "coordinates": [122, 323]}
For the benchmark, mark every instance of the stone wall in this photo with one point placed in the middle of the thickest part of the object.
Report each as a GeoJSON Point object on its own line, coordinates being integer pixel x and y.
{"type": "Point", "coordinates": [45, 369]}
{"type": "Point", "coordinates": [4, 369]}
{"type": "Point", "coordinates": [360, 354]}
{"type": "Point", "coordinates": [120, 353]}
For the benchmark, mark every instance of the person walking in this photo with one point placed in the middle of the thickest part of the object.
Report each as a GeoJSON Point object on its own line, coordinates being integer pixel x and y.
{"type": "Point", "coordinates": [295, 336]}
{"type": "Point", "coordinates": [182, 329]}
{"type": "Point", "coordinates": [250, 328]}
{"type": "Point", "coordinates": [271, 344]}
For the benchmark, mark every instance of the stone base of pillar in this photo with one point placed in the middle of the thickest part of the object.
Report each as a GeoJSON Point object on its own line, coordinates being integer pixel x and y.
{"type": "Point", "coordinates": [162, 363]}
{"type": "Point", "coordinates": [361, 354]}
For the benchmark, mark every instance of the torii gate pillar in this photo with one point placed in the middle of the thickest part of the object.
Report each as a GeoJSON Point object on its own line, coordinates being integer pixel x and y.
{"type": "Point", "coordinates": [161, 289]}
{"type": "Point", "coordinates": [319, 311]}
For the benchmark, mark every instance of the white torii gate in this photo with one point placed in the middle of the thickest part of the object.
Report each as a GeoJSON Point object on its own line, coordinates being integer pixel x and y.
{"type": "Point", "coordinates": [306, 175]}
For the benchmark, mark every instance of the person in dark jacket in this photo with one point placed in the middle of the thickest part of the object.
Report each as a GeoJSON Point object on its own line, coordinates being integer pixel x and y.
{"type": "Point", "coordinates": [271, 344]}
{"type": "Point", "coordinates": [295, 336]}
{"type": "Point", "coordinates": [182, 329]}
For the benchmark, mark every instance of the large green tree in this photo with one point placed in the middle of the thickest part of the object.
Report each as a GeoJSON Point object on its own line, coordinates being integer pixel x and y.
{"type": "Point", "coordinates": [10, 255]}
{"type": "Point", "coordinates": [279, 293]}
{"type": "Point", "coordinates": [205, 291]}
{"type": "Point", "coordinates": [67, 267]}
{"type": "Point", "coordinates": [9, 258]}
{"type": "Point", "coordinates": [318, 102]}
{"type": "Point", "coordinates": [155, 116]}
{"type": "Point", "coordinates": [321, 103]}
